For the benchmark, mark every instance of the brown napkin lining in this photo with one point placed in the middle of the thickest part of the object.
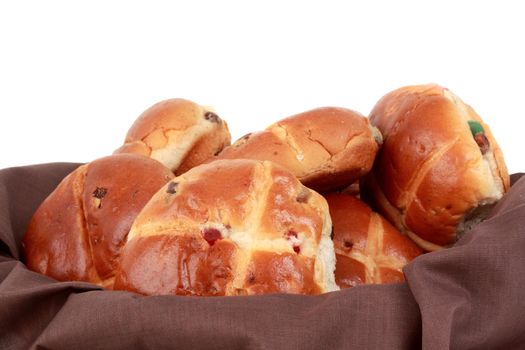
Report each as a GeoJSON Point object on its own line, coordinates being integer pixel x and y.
{"type": "Point", "coordinates": [467, 297]}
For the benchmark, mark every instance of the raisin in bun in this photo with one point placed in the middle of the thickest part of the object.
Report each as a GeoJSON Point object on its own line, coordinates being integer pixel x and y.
{"type": "Point", "coordinates": [440, 168]}
{"type": "Point", "coordinates": [326, 148]}
{"type": "Point", "coordinates": [79, 229]}
{"type": "Point", "coordinates": [178, 133]}
{"type": "Point", "coordinates": [230, 227]}
{"type": "Point", "coordinates": [368, 249]}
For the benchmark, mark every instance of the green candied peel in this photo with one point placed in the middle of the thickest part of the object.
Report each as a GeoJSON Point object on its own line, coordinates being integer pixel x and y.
{"type": "Point", "coordinates": [475, 127]}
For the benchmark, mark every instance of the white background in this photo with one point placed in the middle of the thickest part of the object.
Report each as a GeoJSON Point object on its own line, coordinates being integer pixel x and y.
{"type": "Point", "coordinates": [75, 75]}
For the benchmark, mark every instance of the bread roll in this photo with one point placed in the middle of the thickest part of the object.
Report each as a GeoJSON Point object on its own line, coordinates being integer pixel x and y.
{"type": "Point", "coordinates": [368, 249]}
{"type": "Point", "coordinates": [77, 232]}
{"type": "Point", "coordinates": [178, 133]}
{"type": "Point", "coordinates": [440, 167]}
{"type": "Point", "coordinates": [326, 148]}
{"type": "Point", "coordinates": [230, 227]}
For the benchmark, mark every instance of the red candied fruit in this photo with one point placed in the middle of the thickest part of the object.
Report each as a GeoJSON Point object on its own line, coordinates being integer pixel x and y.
{"type": "Point", "coordinates": [211, 235]}
{"type": "Point", "coordinates": [295, 246]}
{"type": "Point", "coordinates": [291, 233]}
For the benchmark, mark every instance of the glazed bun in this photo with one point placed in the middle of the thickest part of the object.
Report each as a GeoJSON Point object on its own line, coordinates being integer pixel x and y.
{"type": "Point", "coordinates": [326, 148]}
{"type": "Point", "coordinates": [231, 227]}
{"type": "Point", "coordinates": [440, 168]}
{"type": "Point", "coordinates": [77, 232]}
{"type": "Point", "coordinates": [178, 133]}
{"type": "Point", "coordinates": [368, 249]}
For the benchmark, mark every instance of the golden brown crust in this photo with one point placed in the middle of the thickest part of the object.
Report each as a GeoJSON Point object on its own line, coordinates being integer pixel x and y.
{"type": "Point", "coordinates": [202, 149]}
{"type": "Point", "coordinates": [302, 211]}
{"type": "Point", "coordinates": [135, 147]}
{"type": "Point", "coordinates": [269, 226]}
{"type": "Point", "coordinates": [349, 272]}
{"type": "Point", "coordinates": [78, 231]}
{"type": "Point", "coordinates": [208, 268]}
{"type": "Point", "coordinates": [179, 133]}
{"type": "Point", "coordinates": [128, 182]}
{"type": "Point", "coordinates": [280, 273]}
{"type": "Point", "coordinates": [263, 145]}
{"type": "Point", "coordinates": [160, 116]}
{"type": "Point", "coordinates": [326, 148]}
{"type": "Point", "coordinates": [431, 172]}
{"type": "Point", "coordinates": [56, 242]}
{"type": "Point", "coordinates": [368, 249]}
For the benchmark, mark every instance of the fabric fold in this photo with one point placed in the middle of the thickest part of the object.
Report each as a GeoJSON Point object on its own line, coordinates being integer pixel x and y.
{"type": "Point", "coordinates": [469, 296]}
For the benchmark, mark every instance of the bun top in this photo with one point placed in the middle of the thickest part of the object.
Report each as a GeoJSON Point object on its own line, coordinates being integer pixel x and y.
{"type": "Point", "coordinates": [253, 220]}
{"type": "Point", "coordinates": [79, 229]}
{"type": "Point", "coordinates": [177, 132]}
{"type": "Point", "coordinates": [325, 148]}
{"type": "Point", "coordinates": [433, 169]}
{"type": "Point", "coordinates": [369, 250]}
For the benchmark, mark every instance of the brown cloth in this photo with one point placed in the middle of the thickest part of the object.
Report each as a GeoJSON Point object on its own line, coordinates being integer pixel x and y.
{"type": "Point", "coordinates": [468, 297]}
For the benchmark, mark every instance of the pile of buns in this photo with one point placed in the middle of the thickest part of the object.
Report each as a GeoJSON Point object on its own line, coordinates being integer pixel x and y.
{"type": "Point", "coordinates": [322, 200]}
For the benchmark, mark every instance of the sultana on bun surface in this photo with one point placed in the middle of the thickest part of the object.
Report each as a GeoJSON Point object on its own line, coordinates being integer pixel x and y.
{"type": "Point", "coordinates": [369, 250]}
{"type": "Point", "coordinates": [178, 133]}
{"type": "Point", "coordinates": [231, 227]}
{"type": "Point", "coordinates": [78, 231]}
{"type": "Point", "coordinates": [326, 148]}
{"type": "Point", "coordinates": [440, 167]}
